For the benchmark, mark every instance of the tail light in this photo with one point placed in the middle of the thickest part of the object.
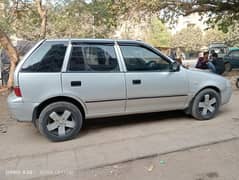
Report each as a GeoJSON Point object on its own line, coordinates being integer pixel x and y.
{"type": "Point", "coordinates": [17, 91]}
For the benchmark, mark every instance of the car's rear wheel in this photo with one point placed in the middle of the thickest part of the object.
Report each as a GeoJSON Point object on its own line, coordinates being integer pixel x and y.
{"type": "Point", "coordinates": [60, 121]}
{"type": "Point", "coordinates": [228, 67]}
{"type": "Point", "coordinates": [206, 104]}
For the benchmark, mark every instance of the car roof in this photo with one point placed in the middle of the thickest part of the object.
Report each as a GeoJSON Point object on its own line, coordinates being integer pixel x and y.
{"type": "Point", "coordinates": [217, 45]}
{"type": "Point", "coordinates": [75, 40]}
{"type": "Point", "coordinates": [233, 49]}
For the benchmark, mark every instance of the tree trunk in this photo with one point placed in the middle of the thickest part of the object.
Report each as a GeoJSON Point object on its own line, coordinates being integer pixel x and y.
{"type": "Point", "coordinates": [43, 15]}
{"type": "Point", "coordinates": [12, 54]}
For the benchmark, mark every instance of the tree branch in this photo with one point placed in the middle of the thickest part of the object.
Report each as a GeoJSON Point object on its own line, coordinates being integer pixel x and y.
{"type": "Point", "coordinates": [43, 15]}
{"type": "Point", "coordinates": [12, 54]}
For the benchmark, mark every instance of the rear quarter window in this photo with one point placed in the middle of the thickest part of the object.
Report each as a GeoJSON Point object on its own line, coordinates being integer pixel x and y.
{"type": "Point", "coordinates": [48, 57]}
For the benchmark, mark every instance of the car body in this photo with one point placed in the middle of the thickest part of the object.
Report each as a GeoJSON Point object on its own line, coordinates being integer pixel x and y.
{"type": "Point", "coordinates": [232, 58]}
{"type": "Point", "coordinates": [62, 82]}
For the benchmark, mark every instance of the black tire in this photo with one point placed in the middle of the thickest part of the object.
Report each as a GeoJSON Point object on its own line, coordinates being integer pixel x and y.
{"type": "Point", "coordinates": [203, 109]}
{"type": "Point", "coordinates": [228, 66]}
{"type": "Point", "coordinates": [60, 121]}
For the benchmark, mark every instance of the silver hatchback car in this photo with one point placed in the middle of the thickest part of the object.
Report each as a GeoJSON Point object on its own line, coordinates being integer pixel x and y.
{"type": "Point", "coordinates": [62, 82]}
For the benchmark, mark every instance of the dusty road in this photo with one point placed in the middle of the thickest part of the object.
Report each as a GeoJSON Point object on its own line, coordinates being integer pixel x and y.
{"type": "Point", "coordinates": [213, 162]}
{"type": "Point", "coordinates": [112, 148]}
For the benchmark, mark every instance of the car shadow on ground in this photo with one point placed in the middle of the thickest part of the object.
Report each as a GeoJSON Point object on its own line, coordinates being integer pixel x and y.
{"type": "Point", "coordinates": [131, 120]}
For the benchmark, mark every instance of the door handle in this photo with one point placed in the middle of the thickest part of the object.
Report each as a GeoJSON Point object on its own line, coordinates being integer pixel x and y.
{"type": "Point", "coordinates": [136, 81]}
{"type": "Point", "coordinates": [75, 83]}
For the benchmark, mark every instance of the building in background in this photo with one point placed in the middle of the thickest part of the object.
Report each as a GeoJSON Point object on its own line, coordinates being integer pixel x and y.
{"type": "Point", "coordinates": [185, 21]}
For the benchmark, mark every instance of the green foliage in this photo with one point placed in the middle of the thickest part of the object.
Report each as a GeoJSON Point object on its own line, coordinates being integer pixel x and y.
{"type": "Point", "coordinates": [220, 13]}
{"type": "Point", "coordinates": [105, 17]}
{"type": "Point", "coordinates": [213, 35]}
{"type": "Point", "coordinates": [190, 38]}
{"type": "Point", "coordinates": [158, 34]}
{"type": "Point", "coordinates": [27, 24]}
{"type": "Point", "coordinates": [70, 19]}
{"type": "Point", "coordinates": [232, 37]}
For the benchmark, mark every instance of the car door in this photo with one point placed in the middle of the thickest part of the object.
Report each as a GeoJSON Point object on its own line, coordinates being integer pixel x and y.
{"type": "Point", "coordinates": [93, 75]}
{"type": "Point", "coordinates": [150, 84]}
{"type": "Point", "coordinates": [234, 58]}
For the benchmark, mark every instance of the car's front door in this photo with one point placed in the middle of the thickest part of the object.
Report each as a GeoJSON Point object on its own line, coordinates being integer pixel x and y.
{"type": "Point", "coordinates": [234, 58]}
{"type": "Point", "coordinates": [94, 76]}
{"type": "Point", "coordinates": [151, 86]}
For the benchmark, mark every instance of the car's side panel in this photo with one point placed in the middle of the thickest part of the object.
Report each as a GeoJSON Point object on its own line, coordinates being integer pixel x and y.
{"type": "Point", "coordinates": [153, 90]}
{"type": "Point", "coordinates": [36, 87]}
{"type": "Point", "coordinates": [103, 93]}
{"type": "Point", "coordinates": [232, 58]}
{"type": "Point", "coordinates": [157, 91]}
{"type": "Point", "coordinates": [235, 62]}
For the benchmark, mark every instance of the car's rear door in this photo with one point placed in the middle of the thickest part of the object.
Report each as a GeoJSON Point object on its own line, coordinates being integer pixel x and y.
{"type": "Point", "coordinates": [39, 76]}
{"type": "Point", "coordinates": [93, 75]}
{"type": "Point", "coordinates": [150, 84]}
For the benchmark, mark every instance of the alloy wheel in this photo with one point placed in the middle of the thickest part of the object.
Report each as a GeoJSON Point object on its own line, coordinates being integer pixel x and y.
{"type": "Point", "coordinates": [207, 105]}
{"type": "Point", "coordinates": [60, 123]}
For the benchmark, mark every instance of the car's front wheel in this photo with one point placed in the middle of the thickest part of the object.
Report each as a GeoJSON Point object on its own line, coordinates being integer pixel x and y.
{"type": "Point", "coordinates": [206, 104]}
{"type": "Point", "coordinates": [228, 67]}
{"type": "Point", "coordinates": [60, 121]}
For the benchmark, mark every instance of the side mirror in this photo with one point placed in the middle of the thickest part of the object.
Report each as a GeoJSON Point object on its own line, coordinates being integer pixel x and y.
{"type": "Point", "coordinates": [174, 67]}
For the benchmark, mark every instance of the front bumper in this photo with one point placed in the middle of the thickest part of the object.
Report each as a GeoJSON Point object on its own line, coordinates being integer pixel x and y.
{"type": "Point", "coordinates": [226, 94]}
{"type": "Point", "coordinates": [20, 110]}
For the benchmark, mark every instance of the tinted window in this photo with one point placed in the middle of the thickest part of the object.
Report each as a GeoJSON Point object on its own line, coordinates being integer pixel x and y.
{"type": "Point", "coordinates": [142, 59]}
{"type": "Point", "coordinates": [47, 58]}
{"type": "Point", "coordinates": [93, 58]}
{"type": "Point", "coordinates": [234, 53]}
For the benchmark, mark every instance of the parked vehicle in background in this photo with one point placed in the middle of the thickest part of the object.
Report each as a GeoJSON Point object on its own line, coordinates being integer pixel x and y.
{"type": "Point", "coordinates": [231, 60]}
{"type": "Point", "coordinates": [220, 48]}
{"type": "Point", "coordinates": [61, 83]}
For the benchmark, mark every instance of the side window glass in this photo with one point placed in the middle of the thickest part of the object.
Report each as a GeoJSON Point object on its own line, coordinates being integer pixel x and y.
{"type": "Point", "coordinates": [47, 58]}
{"type": "Point", "coordinates": [141, 59]}
{"type": "Point", "coordinates": [234, 54]}
{"type": "Point", "coordinates": [93, 58]}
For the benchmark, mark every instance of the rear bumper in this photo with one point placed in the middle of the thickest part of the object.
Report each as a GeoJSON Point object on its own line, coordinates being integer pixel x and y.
{"type": "Point", "coordinates": [20, 110]}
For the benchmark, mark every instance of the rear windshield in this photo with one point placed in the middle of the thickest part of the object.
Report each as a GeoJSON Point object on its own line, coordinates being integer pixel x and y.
{"type": "Point", "coordinates": [47, 58]}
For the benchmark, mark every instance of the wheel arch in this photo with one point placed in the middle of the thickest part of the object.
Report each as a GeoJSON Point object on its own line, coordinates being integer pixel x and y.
{"type": "Point", "coordinates": [42, 105]}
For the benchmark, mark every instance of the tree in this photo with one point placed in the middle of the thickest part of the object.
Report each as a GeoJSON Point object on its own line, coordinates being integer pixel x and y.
{"type": "Point", "coordinates": [69, 19]}
{"type": "Point", "coordinates": [11, 16]}
{"type": "Point", "coordinates": [190, 38]}
{"type": "Point", "coordinates": [157, 34]}
{"type": "Point", "coordinates": [104, 17]}
{"type": "Point", "coordinates": [7, 16]}
{"type": "Point", "coordinates": [12, 54]}
{"type": "Point", "coordinates": [213, 35]}
{"type": "Point", "coordinates": [232, 37]}
{"type": "Point", "coordinates": [219, 12]}
{"type": "Point", "coordinates": [43, 15]}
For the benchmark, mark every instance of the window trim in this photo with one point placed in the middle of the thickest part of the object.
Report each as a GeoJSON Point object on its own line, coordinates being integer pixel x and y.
{"type": "Point", "coordinates": [231, 52]}
{"type": "Point", "coordinates": [79, 44]}
{"type": "Point", "coordinates": [148, 48]}
{"type": "Point", "coordinates": [35, 48]}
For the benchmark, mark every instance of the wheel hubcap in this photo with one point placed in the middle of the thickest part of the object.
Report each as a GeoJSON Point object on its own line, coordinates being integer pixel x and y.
{"type": "Point", "coordinates": [61, 123]}
{"type": "Point", "coordinates": [207, 105]}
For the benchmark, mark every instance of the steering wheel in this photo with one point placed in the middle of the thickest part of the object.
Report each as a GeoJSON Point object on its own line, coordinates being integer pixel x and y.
{"type": "Point", "coordinates": [151, 64]}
